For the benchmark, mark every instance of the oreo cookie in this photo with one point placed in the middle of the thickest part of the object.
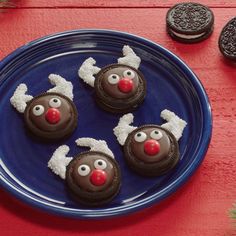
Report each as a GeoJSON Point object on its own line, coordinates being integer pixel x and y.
{"type": "Point", "coordinates": [51, 116]}
{"type": "Point", "coordinates": [227, 40]}
{"type": "Point", "coordinates": [189, 22]}
{"type": "Point", "coordinates": [119, 88]}
{"type": "Point", "coordinates": [151, 150]}
{"type": "Point", "coordinates": [93, 178]}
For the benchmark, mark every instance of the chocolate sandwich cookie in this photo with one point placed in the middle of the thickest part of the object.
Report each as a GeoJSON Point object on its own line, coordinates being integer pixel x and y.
{"type": "Point", "coordinates": [119, 88]}
{"type": "Point", "coordinates": [189, 22]}
{"type": "Point", "coordinates": [51, 116]}
{"type": "Point", "coordinates": [151, 150]}
{"type": "Point", "coordinates": [227, 40]}
{"type": "Point", "coordinates": [93, 178]}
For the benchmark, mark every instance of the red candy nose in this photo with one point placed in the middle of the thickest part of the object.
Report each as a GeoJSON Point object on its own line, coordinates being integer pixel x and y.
{"type": "Point", "coordinates": [53, 115]}
{"type": "Point", "coordinates": [98, 177]}
{"type": "Point", "coordinates": [151, 147]}
{"type": "Point", "coordinates": [125, 85]}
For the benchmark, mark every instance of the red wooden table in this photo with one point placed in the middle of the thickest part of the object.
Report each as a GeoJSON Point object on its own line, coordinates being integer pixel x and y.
{"type": "Point", "coordinates": [201, 206]}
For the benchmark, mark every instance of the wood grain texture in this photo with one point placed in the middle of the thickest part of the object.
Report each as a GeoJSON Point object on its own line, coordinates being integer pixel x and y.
{"type": "Point", "coordinates": [117, 3]}
{"type": "Point", "coordinates": [198, 208]}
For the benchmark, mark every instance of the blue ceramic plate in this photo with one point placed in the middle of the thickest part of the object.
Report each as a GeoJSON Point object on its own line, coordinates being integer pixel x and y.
{"type": "Point", "coordinates": [170, 84]}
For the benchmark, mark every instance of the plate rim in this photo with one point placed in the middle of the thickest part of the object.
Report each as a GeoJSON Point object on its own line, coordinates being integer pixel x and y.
{"type": "Point", "coordinates": [155, 198]}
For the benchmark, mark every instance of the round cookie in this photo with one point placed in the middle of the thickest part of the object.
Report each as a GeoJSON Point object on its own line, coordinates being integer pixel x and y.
{"type": "Point", "coordinates": [227, 40]}
{"type": "Point", "coordinates": [51, 116]}
{"type": "Point", "coordinates": [189, 22]}
{"type": "Point", "coordinates": [151, 150]}
{"type": "Point", "coordinates": [93, 178]}
{"type": "Point", "coordinates": [119, 88]}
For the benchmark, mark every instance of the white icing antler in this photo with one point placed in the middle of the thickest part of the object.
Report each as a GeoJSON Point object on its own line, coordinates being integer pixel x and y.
{"type": "Point", "coordinates": [174, 124]}
{"type": "Point", "coordinates": [130, 58]}
{"type": "Point", "coordinates": [123, 128]}
{"type": "Point", "coordinates": [61, 86]}
{"type": "Point", "coordinates": [20, 98]}
{"type": "Point", "coordinates": [87, 71]}
{"type": "Point", "coordinates": [59, 161]}
{"type": "Point", "coordinates": [95, 145]}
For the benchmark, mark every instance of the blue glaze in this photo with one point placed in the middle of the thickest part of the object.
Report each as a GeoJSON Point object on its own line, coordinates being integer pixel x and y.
{"type": "Point", "coordinates": [170, 85]}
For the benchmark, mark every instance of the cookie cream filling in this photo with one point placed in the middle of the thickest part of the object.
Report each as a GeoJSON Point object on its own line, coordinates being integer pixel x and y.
{"type": "Point", "coordinates": [185, 36]}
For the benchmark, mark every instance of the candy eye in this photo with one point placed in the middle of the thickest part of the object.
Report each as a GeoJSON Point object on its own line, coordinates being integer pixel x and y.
{"type": "Point", "coordinates": [38, 110]}
{"type": "Point", "coordinates": [55, 102]}
{"type": "Point", "coordinates": [156, 134]}
{"type": "Point", "coordinates": [140, 137]}
{"type": "Point", "coordinates": [100, 164]}
{"type": "Point", "coordinates": [129, 73]}
{"type": "Point", "coordinates": [83, 170]}
{"type": "Point", "coordinates": [113, 79]}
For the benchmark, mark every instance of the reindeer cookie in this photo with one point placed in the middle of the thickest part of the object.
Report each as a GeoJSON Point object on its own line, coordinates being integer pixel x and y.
{"type": "Point", "coordinates": [151, 150]}
{"type": "Point", "coordinates": [51, 115]}
{"type": "Point", "coordinates": [120, 87]}
{"type": "Point", "coordinates": [93, 177]}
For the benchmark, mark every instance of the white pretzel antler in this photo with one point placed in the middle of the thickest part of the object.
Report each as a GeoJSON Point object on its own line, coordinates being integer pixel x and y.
{"type": "Point", "coordinates": [123, 128]}
{"type": "Point", "coordinates": [174, 124]}
{"type": "Point", "coordinates": [87, 71]}
{"type": "Point", "coordinates": [61, 86]}
{"type": "Point", "coordinates": [20, 98]}
{"type": "Point", "coordinates": [130, 58]}
{"type": "Point", "coordinates": [95, 145]}
{"type": "Point", "coordinates": [59, 161]}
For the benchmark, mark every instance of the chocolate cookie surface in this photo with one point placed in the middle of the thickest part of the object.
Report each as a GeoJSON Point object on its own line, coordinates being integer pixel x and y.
{"type": "Point", "coordinates": [93, 178]}
{"type": "Point", "coordinates": [227, 40]}
{"type": "Point", "coordinates": [119, 88]}
{"type": "Point", "coordinates": [51, 116]}
{"type": "Point", "coordinates": [189, 22]}
{"type": "Point", "coordinates": [151, 150]}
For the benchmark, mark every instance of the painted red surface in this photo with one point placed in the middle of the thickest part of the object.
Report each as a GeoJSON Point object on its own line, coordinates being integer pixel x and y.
{"type": "Point", "coordinates": [117, 3]}
{"type": "Point", "coordinates": [201, 206]}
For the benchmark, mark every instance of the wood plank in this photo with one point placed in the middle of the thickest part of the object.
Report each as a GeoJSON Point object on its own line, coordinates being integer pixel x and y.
{"type": "Point", "coordinates": [204, 58]}
{"type": "Point", "coordinates": [208, 196]}
{"type": "Point", "coordinates": [201, 206]}
{"type": "Point", "coordinates": [116, 3]}
{"type": "Point", "coordinates": [151, 25]}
